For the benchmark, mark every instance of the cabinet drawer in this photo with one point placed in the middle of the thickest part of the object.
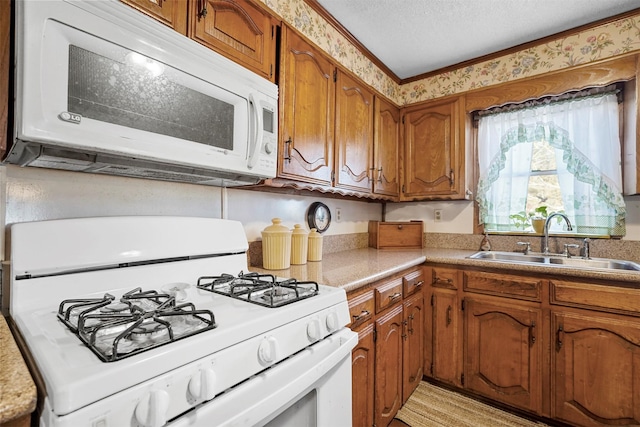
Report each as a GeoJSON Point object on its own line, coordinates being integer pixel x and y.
{"type": "Point", "coordinates": [389, 235]}
{"type": "Point", "coordinates": [503, 285]}
{"type": "Point", "coordinates": [388, 294]}
{"type": "Point", "coordinates": [412, 282]}
{"type": "Point", "coordinates": [444, 278]}
{"type": "Point", "coordinates": [361, 309]}
{"type": "Point", "coordinates": [592, 296]}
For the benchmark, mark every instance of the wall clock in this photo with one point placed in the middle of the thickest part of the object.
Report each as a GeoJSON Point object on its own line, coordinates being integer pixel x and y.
{"type": "Point", "coordinates": [319, 217]}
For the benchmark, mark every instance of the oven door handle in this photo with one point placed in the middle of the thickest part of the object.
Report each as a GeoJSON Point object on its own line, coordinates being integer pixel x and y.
{"type": "Point", "coordinates": [325, 364]}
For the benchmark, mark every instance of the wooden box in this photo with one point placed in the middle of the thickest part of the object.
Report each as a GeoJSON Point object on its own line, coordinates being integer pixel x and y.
{"type": "Point", "coordinates": [396, 235]}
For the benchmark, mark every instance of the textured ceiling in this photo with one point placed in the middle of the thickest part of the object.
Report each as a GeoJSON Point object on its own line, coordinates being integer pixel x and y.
{"type": "Point", "coordinates": [413, 37]}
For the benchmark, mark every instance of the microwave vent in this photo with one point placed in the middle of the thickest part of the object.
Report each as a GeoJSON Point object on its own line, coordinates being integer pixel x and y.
{"type": "Point", "coordinates": [38, 155]}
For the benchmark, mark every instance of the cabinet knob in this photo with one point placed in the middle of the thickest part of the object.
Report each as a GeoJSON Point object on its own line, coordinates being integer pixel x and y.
{"type": "Point", "coordinates": [400, 227]}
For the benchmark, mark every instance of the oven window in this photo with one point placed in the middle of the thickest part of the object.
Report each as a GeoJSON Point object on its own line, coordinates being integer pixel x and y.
{"type": "Point", "coordinates": [303, 412]}
{"type": "Point", "coordinates": [140, 93]}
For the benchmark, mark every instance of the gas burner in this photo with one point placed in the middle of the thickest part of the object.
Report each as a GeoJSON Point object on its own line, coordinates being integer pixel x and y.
{"type": "Point", "coordinates": [139, 321]}
{"type": "Point", "coordinates": [261, 289]}
{"type": "Point", "coordinates": [149, 331]}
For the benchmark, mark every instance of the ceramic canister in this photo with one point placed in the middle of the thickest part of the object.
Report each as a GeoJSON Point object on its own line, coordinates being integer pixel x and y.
{"type": "Point", "coordinates": [315, 246]}
{"type": "Point", "coordinates": [299, 245]}
{"type": "Point", "coordinates": [276, 246]}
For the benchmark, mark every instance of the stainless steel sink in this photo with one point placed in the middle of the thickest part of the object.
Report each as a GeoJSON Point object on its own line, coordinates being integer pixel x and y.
{"type": "Point", "coordinates": [557, 261]}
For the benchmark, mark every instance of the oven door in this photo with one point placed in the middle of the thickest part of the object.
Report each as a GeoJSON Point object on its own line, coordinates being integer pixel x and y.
{"type": "Point", "coordinates": [311, 388]}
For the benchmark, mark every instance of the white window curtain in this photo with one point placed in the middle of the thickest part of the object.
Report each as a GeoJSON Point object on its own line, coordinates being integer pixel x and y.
{"type": "Point", "coordinates": [584, 134]}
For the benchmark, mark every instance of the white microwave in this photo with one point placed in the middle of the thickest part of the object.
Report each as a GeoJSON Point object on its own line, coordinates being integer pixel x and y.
{"type": "Point", "coordinates": [103, 88]}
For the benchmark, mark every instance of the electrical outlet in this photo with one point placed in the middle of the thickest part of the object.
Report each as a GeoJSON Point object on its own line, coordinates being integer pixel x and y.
{"type": "Point", "coordinates": [437, 215]}
{"type": "Point", "coordinates": [338, 214]}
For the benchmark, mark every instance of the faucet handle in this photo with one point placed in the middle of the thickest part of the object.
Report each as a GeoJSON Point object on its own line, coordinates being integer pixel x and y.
{"type": "Point", "coordinates": [566, 249]}
{"type": "Point", "coordinates": [527, 246]}
{"type": "Point", "coordinates": [586, 243]}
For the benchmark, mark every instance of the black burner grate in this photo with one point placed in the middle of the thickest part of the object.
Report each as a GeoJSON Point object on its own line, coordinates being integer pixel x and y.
{"type": "Point", "coordinates": [139, 321]}
{"type": "Point", "coordinates": [261, 289]}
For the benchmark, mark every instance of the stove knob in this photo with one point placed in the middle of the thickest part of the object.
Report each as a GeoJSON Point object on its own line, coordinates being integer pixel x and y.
{"type": "Point", "coordinates": [313, 330]}
{"type": "Point", "coordinates": [202, 385]}
{"type": "Point", "coordinates": [332, 321]}
{"type": "Point", "coordinates": [267, 351]}
{"type": "Point", "coordinates": [151, 411]}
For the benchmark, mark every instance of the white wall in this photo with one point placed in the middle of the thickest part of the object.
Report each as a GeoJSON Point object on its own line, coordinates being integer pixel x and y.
{"type": "Point", "coordinates": [32, 194]}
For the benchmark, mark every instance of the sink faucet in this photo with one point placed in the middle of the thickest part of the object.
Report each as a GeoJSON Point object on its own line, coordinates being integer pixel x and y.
{"type": "Point", "coordinates": [545, 242]}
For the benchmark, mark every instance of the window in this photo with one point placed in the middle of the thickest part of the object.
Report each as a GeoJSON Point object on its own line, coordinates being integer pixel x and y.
{"type": "Point", "coordinates": [563, 154]}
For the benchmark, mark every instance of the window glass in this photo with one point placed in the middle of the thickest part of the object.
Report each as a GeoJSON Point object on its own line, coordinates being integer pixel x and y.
{"type": "Point", "coordinates": [552, 157]}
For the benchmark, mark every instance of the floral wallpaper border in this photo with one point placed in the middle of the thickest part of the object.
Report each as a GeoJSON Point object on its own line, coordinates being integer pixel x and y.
{"type": "Point", "coordinates": [601, 42]}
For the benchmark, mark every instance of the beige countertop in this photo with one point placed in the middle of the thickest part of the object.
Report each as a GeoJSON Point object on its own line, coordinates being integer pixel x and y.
{"type": "Point", "coordinates": [355, 268]}
{"type": "Point", "coordinates": [17, 389]}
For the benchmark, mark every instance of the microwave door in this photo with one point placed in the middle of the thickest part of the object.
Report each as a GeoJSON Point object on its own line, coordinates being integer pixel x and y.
{"type": "Point", "coordinates": [108, 97]}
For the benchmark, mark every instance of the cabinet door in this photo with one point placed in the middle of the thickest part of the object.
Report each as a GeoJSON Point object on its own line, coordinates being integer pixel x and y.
{"type": "Point", "coordinates": [413, 349]}
{"type": "Point", "coordinates": [503, 354]}
{"type": "Point", "coordinates": [5, 49]}
{"type": "Point", "coordinates": [172, 13]}
{"type": "Point", "coordinates": [445, 351]}
{"type": "Point", "coordinates": [307, 102]}
{"type": "Point", "coordinates": [386, 140]}
{"type": "Point", "coordinates": [596, 368]}
{"type": "Point", "coordinates": [388, 365]}
{"type": "Point", "coordinates": [354, 134]}
{"type": "Point", "coordinates": [434, 152]}
{"type": "Point", "coordinates": [362, 370]}
{"type": "Point", "coordinates": [239, 30]}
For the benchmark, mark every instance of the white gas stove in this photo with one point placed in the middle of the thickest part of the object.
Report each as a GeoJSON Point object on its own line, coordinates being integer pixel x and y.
{"type": "Point", "coordinates": [144, 321]}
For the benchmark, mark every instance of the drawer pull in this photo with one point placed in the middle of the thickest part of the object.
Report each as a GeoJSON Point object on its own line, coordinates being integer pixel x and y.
{"type": "Point", "coordinates": [400, 227]}
{"type": "Point", "coordinates": [559, 337]}
{"type": "Point", "coordinates": [420, 283]}
{"type": "Point", "coordinates": [439, 280]}
{"type": "Point", "coordinates": [395, 296]}
{"type": "Point", "coordinates": [363, 314]}
{"type": "Point", "coordinates": [532, 333]}
{"type": "Point", "coordinates": [448, 315]}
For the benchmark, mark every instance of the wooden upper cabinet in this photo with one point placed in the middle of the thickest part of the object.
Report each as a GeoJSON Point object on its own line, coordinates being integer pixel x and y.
{"type": "Point", "coordinates": [354, 134]}
{"type": "Point", "coordinates": [307, 106]}
{"type": "Point", "coordinates": [239, 29]}
{"type": "Point", "coordinates": [172, 13]}
{"type": "Point", "coordinates": [386, 143]}
{"type": "Point", "coordinates": [434, 151]}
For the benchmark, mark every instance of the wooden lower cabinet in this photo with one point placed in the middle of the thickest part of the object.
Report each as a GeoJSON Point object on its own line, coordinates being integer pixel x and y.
{"type": "Point", "coordinates": [388, 365]}
{"type": "Point", "coordinates": [412, 352]}
{"type": "Point", "coordinates": [596, 369]}
{"type": "Point", "coordinates": [443, 353]}
{"type": "Point", "coordinates": [362, 365]}
{"type": "Point", "coordinates": [503, 355]}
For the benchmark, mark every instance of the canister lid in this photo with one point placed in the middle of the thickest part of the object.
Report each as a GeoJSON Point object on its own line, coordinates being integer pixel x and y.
{"type": "Point", "coordinates": [298, 230]}
{"type": "Point", "coordinates": [275, 227]}
{"type": "Point", "coordinates": [313, 234]}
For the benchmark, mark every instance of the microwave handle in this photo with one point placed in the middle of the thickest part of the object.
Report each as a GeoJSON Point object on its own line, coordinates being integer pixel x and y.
{"type": "Point", "coordinates": [257, 142]}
